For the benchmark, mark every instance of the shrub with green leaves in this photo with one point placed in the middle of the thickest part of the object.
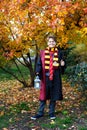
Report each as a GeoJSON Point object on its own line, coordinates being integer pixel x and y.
{"type": "Point", "coordinates": [77, 74]}
{"type": "Point", "coordinates": [76, 66]}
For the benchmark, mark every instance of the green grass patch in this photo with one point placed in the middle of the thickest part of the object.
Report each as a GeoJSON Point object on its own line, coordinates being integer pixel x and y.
{"type": "Point", "coordinates": [6, 76]}
{"type": "Point", "coordinates": [19, 107]}
{"type": "Point", "coordinates": [82, 128]}
{"type": "Point", "coordinates": [65, 112]}
{"type": "Point", "coordinates": [62, 123]}
{"type": "Point", "coordinates": [5, 120]}
{"type": "Point", "coordinates": [49, 125]}
{"type": "Point", "coordinates": [10, 114]}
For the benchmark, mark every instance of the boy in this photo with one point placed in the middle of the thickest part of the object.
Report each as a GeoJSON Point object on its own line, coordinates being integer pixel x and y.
{"type": "Point", "coordinates": [49, 70]}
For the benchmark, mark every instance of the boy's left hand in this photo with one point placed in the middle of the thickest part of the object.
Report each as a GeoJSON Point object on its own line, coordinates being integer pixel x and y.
{"type": "Point", "coordinates": [62, 62]}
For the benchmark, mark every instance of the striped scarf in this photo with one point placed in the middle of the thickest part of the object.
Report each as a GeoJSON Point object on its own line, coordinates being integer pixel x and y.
{"type": "Point", "coordinates": [47, 58]}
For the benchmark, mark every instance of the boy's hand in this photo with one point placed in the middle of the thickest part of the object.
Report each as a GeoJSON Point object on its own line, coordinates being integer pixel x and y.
{"type": "Point", "coordinates": [62, 63]}
{"type": "Point", "coordinates": [37, 73]}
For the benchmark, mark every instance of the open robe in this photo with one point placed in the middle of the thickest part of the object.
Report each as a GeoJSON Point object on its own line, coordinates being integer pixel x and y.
{"type": "Point", "coordinates": [57, 84]}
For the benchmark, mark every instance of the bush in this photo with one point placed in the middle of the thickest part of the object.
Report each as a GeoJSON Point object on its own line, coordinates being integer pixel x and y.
{"type": "Point", "coordinates": [77, 75]}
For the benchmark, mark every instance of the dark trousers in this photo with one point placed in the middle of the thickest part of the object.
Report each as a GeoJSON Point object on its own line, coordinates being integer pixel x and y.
{"type": "Point", "coordinates": [51, 107]}
{"type": "Point", "coordinates": [49, 93]}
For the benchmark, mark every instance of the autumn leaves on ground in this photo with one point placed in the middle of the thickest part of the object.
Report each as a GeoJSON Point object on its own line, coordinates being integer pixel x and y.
{"type": "Point", "coordinates": [17, 104]}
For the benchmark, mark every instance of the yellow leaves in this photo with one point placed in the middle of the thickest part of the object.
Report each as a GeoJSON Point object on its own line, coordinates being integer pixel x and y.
{"type": "Point", "coordinates": [23, 111]}
{"type": "Point", "coordinates": [84, 31]}
{"type": "Point", "coordinates": [80, 35]}
{"type": "Point", "coordinates": [12, 93]}
{"type": "Point", "coordinates": [62, 21]}
{"type": "Point", "coordinates": [85, 112]}
{"type": "Point", "coordinates": [72, 11]}
{"type": "Point", "coordinates": [62, 13]}
{"type": "Point", "coordinates": [10, 120]}
{"type": "Point", "coordinates": [52, 122]}
{"type": "Point", "coordinates": [30, 38]}
{"type": "Point", "coordinates": [4, 129]}
{"type": "Point", "coordinates": [20, 1]}
{"type": "Point", "coordinates": [39, 17]}
{"type": "Point", "coordinates": [1, 113]}
{"type": "Point", "coordinates": [64, 39]}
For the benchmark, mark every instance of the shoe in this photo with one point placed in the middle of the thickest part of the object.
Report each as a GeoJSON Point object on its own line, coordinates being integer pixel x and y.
{"type": "Point", "coordinates": [52, 117]}
{"type": "Point", "coordinates": [36, 116]}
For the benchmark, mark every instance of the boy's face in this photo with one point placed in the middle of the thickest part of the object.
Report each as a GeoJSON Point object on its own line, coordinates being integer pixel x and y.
{"type": "Point", "coordinates": [51, 43]}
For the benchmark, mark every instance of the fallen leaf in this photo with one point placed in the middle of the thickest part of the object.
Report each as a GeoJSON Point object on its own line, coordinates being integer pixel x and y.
{"type": "Point", "coordinates": [1, 113]}
{"type": "Point", "coordinates": [52, 122]}
{"type": "Point", "coordinates": [4, 129]}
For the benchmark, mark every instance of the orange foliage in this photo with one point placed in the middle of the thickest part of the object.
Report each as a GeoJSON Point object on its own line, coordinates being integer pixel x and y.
{"type": "Point", "coordinates": [27, 22]}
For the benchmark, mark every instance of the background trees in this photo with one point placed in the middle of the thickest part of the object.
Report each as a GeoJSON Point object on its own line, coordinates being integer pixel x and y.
{"type": "Point", "coordinates": [26, 23]}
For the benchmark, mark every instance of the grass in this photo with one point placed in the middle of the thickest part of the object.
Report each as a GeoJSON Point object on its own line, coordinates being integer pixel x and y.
{"type": "Point", "coordinates": [14, 111]}
{"type": "Point", "coordinates": [6, 76]}
{"type": "Point", "coordinates": [82, 128]}
{"type": "Point", "coordinates": [59, 122]}
{"type": "Point", "coordinates": [6, 119]}
{"type": "Point", "coordinates": [49, 125]}
{"type": "Point", "coordinates": [19, 107]}
{"type": "Point", "coordinates": [10, 115]}
{"type": "Point", "coordinates": [62, 123]}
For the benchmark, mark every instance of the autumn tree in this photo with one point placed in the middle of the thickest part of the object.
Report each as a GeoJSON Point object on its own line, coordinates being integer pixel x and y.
{"type": "Point", "coordinates": [26, 23]}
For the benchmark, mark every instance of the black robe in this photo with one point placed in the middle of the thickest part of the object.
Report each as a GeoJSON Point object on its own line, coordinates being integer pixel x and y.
{"type": "Point", "coordinates": [49, 89]}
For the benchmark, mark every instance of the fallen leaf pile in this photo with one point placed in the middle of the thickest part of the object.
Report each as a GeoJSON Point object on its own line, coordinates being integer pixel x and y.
{"type": "Point", "coordinates": [12, 92]}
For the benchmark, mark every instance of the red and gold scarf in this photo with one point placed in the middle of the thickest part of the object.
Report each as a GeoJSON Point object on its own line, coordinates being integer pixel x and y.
{"type": "Point", "coordinates": [55, 58]}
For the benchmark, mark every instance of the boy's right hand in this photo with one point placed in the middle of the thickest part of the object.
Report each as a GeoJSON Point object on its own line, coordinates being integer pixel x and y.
{"type": "Point", "coordinates": [37, 73]}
